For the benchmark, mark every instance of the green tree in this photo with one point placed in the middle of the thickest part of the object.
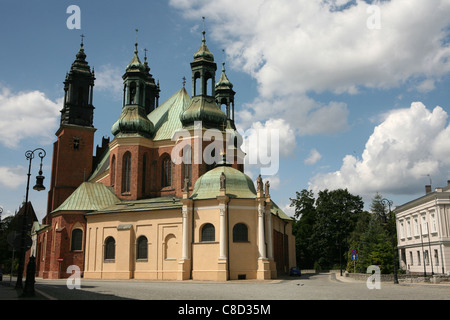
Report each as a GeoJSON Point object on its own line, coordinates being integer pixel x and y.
{"type": "Point", "coordinates": [305, 217]}
{"type": "Point", "coordinates": [373, 239]}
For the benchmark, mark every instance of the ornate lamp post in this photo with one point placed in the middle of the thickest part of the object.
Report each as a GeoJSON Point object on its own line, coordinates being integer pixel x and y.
{"type": "Point", "coordinates": [387, 220]}
{"type": "Point", "coordinates": [29, 285]}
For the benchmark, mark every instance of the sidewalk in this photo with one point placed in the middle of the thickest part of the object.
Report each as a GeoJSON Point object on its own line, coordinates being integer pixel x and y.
{"type": "Point", "coordinates": [9, 292]}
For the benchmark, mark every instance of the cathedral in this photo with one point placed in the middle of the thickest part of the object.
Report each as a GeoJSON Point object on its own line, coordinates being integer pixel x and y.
{"type": "Point", "coordinates": [167, 197]}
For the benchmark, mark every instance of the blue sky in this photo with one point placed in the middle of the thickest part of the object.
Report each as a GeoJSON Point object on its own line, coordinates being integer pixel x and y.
{"type": "Point", "coordinates": [357, 90]}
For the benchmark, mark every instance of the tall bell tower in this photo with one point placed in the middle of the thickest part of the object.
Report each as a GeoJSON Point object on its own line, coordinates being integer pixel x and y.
{"type": "Point", "coordinates": [73, 150]}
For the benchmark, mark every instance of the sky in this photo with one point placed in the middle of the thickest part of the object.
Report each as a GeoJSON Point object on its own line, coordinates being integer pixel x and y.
{"type": "Point", "coordinates": [357, 91]}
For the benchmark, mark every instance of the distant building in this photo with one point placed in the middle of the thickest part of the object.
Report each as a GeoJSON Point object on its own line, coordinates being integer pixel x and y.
{"type": "Point", "coordinates": [132, 211]}
{"type": "Point", "coordinates": [423, 232]}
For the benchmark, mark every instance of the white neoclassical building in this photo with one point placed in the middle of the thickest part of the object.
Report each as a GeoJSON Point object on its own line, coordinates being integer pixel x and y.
{"type": "Point", "coordinates": [423, 232]}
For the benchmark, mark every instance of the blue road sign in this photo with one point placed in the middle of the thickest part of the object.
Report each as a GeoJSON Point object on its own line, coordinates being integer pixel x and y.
{"type": "Point", "coordinates": [354, 256]}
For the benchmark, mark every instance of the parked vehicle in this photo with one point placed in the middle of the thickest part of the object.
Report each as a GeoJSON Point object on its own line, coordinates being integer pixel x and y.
{"type": "Point", "coordinates": [295, 272]}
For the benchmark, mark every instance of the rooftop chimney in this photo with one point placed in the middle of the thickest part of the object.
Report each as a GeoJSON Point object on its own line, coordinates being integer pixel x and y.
{"type": "Point", "coordinates": [427, 189]}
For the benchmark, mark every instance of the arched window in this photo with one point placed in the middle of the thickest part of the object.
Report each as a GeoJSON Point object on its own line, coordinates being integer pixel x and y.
{"type": "Point", "coordinates": [110, 248]}
{"type": "Point", "coordinates": [77, 240]}
{"type": "Point", "coordinates": [240, 233]}
{"type": "Point", "coordinates": [142, 248]}
{"type": "Point", "coordinates": [133, 93]}
{"type": "Point", "coordinates": [126, 172]}
{"type": "Point", "coordinates": [166, 172]}
{"type": "Point", "coordinates": [208, 233]}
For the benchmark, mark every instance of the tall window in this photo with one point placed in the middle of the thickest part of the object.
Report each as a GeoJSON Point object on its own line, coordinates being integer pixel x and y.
{"type": "Point", "coordinates": [142, 248]}
{"type": "Point", "coordinates": [113, 170]}
{"type": "Point", "coordinates": [126, 172]}
{"type": "Point", "coordinates": [144, 173]}
{"type": "Point", "coordinates": [77, 240]}
{"type": "Point", "coordinates": [187, 160]}
{"type": "Point", "coordinates": [166, 172]}
{"type": "Point", "coordinates": [208, 232]}
{"type": "Point", "coordinates": [110, 248]}
{"type": "Point", "coordinates": [240, 233]}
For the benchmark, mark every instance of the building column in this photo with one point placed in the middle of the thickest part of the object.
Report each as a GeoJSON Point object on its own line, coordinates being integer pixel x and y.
{"type": "Point", "coordinates": [269, 235]}
{"type": "Point", "coordinates": [223, 233]}
{"type": "Point", "coordinates": [261, 237]}
{"type": "Point", "coordinates": [185, 252]}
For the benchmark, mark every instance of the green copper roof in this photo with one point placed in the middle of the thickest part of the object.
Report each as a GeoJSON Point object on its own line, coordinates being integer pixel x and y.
{"type": "Point", "coordinates": [135, 62]}
{"type": "Point", "coordinates": [203, 52]}
{"type": "Point", "coordinates": [153, 204]}
{"type": "Point", "coordinates": [166, 118]}
{"type": "Point", "coordinates": [205, 109]}
{"type": "Point", "coordinates": [133, 120]}
{"type": "Point", "coordinates": [223, 82]}
{"type": "Point", "coordinates": [89, 196]}
{"type": "Point", "coordinates": [276, 210]}
{"type": "Point", "coordinates": [238, 184]}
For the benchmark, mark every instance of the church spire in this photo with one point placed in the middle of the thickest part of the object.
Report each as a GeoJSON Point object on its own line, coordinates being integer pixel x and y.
{"type": "Point", "coordinates": [203, 107]}
{"type": "Point", "coordinates": [225, 94]}
{"type": "Point", "coordinates": [138, 83]}
{"type": "Point", "coordinates": [78, 92]}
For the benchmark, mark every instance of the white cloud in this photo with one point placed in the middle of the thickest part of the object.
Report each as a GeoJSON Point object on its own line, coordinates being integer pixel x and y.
{"type": "Point", "coordinates": [264, 143]}
{"type": "Point", "coordinates": [12, 177]}
{"type": "Point", "coordinates": [27, 114]}
{"type": "Point", "coordinates": [109, 78]}
{"type": "Point", "coordinates": [303, 115]}
{"type": "Point", "coordinates": [313, 157]}
{"type": "Point", "coordinates": [409, 144]}
{"type": "Point", "coordinates": [294, 47]}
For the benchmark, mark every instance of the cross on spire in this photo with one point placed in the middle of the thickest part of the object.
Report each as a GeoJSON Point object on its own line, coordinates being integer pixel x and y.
{"type": "Point", "coordinates": [184, 81]}
{"type": "Point", "coordinates": [82, 38]}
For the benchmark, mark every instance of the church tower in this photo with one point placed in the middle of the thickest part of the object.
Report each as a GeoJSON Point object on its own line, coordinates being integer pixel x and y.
{"type": "Point", "coordinates": [133, 131]}
{"type": "Point", "coordinates": [72, 152]}
{"type": "Point", "coordinates": [225, 95]}
{"type": "Point", "coordinates": [203, 106]}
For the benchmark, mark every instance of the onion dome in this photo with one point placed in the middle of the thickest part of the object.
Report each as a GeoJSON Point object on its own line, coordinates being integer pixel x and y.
{"type": "Point", "coordinates": [237, 184]}
{"type": "Point", "coordinates": [133, 121]}
{"type": "Point", "coordinates": [203, 52]}
{"type": "Point", "coordinates": [203, 109]}
{"type": "Point", "coordinates": [223, 82]}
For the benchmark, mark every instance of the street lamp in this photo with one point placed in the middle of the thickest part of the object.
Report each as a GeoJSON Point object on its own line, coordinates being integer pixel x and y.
{"type": "Point", "coordinates": [387, 221]}
{"type": "Point", "coordinates": [31, 269]}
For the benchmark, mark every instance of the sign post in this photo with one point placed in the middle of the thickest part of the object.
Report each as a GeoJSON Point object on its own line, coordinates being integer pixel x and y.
{"type": "Point", "coordinates": [354, 258]}
{"type": "Point", "coordinates": [60, 260]}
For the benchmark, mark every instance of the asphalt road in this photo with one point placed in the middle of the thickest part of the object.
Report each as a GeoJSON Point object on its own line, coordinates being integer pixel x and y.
{"type": "Point", "coordinates": [306, 287]}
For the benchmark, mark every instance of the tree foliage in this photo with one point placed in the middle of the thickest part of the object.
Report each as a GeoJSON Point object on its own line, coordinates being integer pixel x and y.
{"type": "Point", "coordinates": [328, 227]}
{"type": "Point", "coordinates": [323, 226]}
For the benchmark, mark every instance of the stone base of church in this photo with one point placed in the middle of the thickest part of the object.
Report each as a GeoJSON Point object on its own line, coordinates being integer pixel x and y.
{"type": "Point", "coordinates": [184, 269]}
{"type": "Point", "coordinates": [220, 274]}
{"type": "Point", "coordinates": [264, 270]}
